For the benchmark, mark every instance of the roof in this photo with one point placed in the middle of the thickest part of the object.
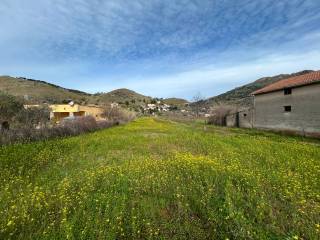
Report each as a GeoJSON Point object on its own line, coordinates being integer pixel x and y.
{"type": "Point", "coordinates": [296, 81]}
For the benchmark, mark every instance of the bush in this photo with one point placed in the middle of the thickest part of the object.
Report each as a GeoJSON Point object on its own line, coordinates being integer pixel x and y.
{"type": "Point", "coordinates": [219, 116]}
{"type": "Point", "coordinates": [32, 117]}
{"type": "Point", "coordinates": [14, 115]}
{"type": "Point", "coordinates": [80, 125]}
{"type": "Point", "coordinates": [33, 125]}
{"type": "Point", "coordinates": [9, 107]}
{"type": "Point", "coordinates": [67, 128]}
{"type": "Point", "coordinates": [118, 115]}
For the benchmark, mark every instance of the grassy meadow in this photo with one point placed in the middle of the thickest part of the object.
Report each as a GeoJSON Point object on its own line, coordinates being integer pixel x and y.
{"type": "Point", "coordinates": [157, 179]}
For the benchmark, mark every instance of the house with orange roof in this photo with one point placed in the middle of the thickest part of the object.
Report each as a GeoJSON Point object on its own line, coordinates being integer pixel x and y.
{"type": "Point", "coordinates": [291, 104]}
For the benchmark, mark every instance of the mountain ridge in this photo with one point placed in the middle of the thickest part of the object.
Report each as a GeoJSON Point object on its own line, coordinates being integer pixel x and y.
{"type": "Point", "coordinates": [39, 91]}
{"type": "Point", "coordinates": [241, 96]}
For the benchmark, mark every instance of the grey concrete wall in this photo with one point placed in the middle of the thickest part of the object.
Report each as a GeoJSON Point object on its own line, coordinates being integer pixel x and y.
{"type": "Point", "coordinates": [246, 119]}
{"type": "Point", "coordinates": [231, 120]}
{"type": "Point", "coordinates": [304, 116]}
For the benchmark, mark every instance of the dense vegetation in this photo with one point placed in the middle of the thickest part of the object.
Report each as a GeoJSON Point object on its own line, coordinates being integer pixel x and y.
{"type": "Point", "coordinates": [19, 124]}
{"type": "Point", "coordinates": [14, 115]}
{"type": "Point", "coordinates": [159, 179]}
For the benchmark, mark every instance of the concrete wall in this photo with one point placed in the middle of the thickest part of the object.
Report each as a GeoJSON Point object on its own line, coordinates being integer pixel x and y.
{"type": "Point", "coordinates": [231, 120]}
{"type": "Point", "coordinates": [64, 108]}
{"type": "Point", "coordinates": [305, 110]}
{"type": "Point", "coordinates": [245, 119]}
{"type": "Point", "coordinates": [96, 112]}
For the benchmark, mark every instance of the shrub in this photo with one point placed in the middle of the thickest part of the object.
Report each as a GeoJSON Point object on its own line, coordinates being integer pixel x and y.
{"type": "Point", "coordinates": [80, 125]}
{"type": "Point", "coordinates": [32, 117]}
{"type": "Point", "coordinates": [219, 116]}
{"type": "Point", "coordinates": [118, 115]}
{"type": "Point", "coordinates": [13, 114]}
{"type": "Point", "coordinates": [67, 128]}
{"type": "Point", "coordinates": [33, 124]}
{"type": "Point", "coordinates": [9, 107]}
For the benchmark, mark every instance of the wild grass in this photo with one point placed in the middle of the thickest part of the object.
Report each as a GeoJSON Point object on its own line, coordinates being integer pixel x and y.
{"type": "Point", "coordinates": [156, 179]}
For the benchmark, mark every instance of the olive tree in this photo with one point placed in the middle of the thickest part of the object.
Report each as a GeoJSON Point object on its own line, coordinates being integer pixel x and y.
{"type": "Point", "coordinates": [10, 106]}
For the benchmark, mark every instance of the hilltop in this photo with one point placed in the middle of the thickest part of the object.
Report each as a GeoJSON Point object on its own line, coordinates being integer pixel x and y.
{"type": "Point", "coordinates": [36, 91]}
{"type": "Point", "coordinates": [175, 101]}
{"type": "Point", "coordinates": [121, 96]}
{"type": "Point", "coordinates": [241, 96]}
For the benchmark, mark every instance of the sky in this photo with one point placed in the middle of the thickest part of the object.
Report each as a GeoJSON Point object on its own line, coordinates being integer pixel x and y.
{"type": "Point", "coordinates": [160, 48]}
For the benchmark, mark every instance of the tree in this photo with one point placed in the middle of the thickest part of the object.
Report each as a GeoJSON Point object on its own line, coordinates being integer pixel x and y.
{"type": "Point", "coordinates": [13, 113]}
{"type": "Point", "coordinates": [219, 115]}
{"type": "Point", "coordinates": [117, 114]}
{"type": "Point", "coordinates": [9, 107]}
{"type": "Point", "coordinates": [197, 103]}
{"type": "Point", "coordinates": [33, 117]}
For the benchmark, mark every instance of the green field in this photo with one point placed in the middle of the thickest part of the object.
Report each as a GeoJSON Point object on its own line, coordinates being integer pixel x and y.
{"type": "Point", "coordinates": [156, 179]}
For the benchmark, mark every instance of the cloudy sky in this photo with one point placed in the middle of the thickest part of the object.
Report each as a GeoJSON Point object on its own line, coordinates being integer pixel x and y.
{"type": "Point", "coordinates": [160, 48]}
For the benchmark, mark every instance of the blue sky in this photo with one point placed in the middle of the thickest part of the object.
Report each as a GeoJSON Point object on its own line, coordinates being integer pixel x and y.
{"type": "Point", "coordinates": [160, 48]}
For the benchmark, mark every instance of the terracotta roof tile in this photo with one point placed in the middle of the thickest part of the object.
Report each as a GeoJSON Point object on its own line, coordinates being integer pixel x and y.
{"type": "Point", "coordinates": [301, 80]}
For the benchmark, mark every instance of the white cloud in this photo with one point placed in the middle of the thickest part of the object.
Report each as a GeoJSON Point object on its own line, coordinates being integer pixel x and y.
{"type": "Point", "coordinates": [158, 47]}
{"type": "Point", "coordinates": [209, 79]}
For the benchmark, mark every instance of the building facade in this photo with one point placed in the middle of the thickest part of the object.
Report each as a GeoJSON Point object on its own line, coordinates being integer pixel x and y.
{"type": "Point", "coordinates": [242, 119]}
{"type": "Point", "coordinates": [61, 111]}
{"type": "Point", "coordinates": [291, 105]}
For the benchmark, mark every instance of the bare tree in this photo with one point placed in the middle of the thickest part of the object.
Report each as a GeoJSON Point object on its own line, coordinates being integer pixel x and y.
{"type": "Point", "coordinates": [33, 117]}
{"type": "Point", "coordinates": [117, 114]}
{"type": "Point", "coordinates": [197, 103]}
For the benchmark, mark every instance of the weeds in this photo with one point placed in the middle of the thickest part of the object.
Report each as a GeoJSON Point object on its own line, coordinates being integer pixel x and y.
{"type": "Point", "coordinates": [154, 179]}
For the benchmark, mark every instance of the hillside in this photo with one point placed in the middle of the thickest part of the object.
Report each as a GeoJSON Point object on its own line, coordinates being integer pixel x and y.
{"type": "Point", "coordinates": [156, 179]}
{"type": "Point", "coordinates": [175, 101]}
{"type": "Point", "coordinates": [241, 96]}
{"type": "Point", "coordinates": [35, 91]}
{"type": "Point", "coordinates": [121, 96]}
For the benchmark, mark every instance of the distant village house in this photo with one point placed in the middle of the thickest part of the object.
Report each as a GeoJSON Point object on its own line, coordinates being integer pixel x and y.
{"type": "Point", "coordinates": [62, 111]}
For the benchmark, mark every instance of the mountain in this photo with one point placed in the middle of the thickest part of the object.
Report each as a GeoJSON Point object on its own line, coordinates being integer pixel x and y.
{"type": "Point", "coordinates": [175, 101]}
{"type": "Point", "coordinates": [241, 96]}
{"type": "Point", "coordinates": [36, 91]}
{"type": "Point", "coordinates": [121, 96]}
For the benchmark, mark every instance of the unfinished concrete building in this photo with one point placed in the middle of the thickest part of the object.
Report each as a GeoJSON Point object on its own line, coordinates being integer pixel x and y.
{"type": "Point", "coordinates": [291, 105]}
